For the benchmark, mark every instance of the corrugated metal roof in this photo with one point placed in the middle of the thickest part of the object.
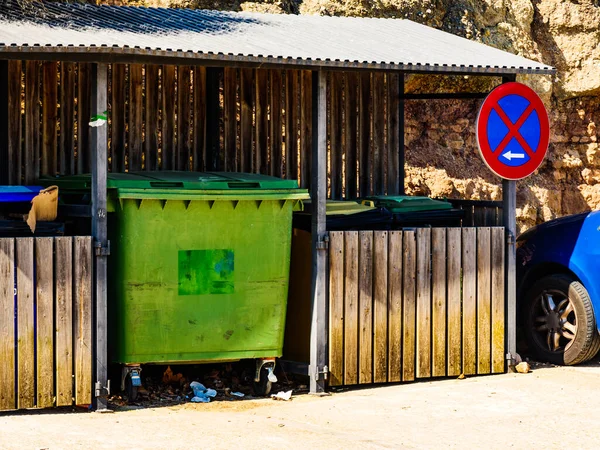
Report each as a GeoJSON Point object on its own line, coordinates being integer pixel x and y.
{"type": "Point", "coordinates": [108, 32]}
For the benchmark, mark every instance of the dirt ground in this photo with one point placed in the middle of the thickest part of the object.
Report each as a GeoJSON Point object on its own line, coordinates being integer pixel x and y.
{"type": "Point", "coordinates": [547, 408]}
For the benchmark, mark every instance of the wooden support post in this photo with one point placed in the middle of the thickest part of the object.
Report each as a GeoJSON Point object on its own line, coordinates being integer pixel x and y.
{"type": "Point", "coordinates": [99, 146]}
{"type": "Point", "coordinates": [401, 134]}
{"type": "Point", "coordinates": [213, 114]}
{"type": "Point", "coordinates": [4, 153]}
{"type": "Point", "coordinates": [318, 330]}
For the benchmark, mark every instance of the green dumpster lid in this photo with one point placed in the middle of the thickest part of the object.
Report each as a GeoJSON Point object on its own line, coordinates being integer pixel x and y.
{"type": "Point", "coordinates": [406, 203]}
{"type": "Point", "coordinates": [339, 207]}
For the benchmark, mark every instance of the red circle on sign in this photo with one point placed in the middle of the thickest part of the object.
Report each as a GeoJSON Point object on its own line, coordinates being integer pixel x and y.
{"type": "Point", "coordinates": [492, 157]}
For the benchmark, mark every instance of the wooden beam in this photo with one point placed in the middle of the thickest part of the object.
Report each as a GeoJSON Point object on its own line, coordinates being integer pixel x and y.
{"type": "Point", "coordinates": [318, 332]}
{"type": "Point", "coordinates": [401, 160]}
{"type": "Point", "coordinates": [99, 141]}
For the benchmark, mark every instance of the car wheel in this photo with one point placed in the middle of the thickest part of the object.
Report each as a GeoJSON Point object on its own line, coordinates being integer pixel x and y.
{"type": "Point", "coordinates": [559, 322]}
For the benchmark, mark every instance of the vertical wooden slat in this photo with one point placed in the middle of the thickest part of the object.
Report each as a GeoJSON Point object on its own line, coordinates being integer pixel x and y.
{"type": "Point", "coordinates": [229, 118]}
{"type": "Point", "coordinates": [423, 302]}
{"type": "Point", "coordinates": [168, 148]}
{"type": "Point", "coordinates": [275, 125]}
{"type": "Point", "coordinates": [469, 271]}
{"type": "Point", "coordinates": [364, 134]}
{"type": "Point", "coordinates": [490, 216]}
{"type": "Point", "coordinates": [291, 124]}
{"type": "Point", "coordinates": [84, 114]}
{"type": "Point", "coordinates": [7, 324]}
{"type": "Point", "coordinates": [438, 312]}
{"type": "Point", "coordinates": [393, 133]}
{"type": "Point", "coordinates": [214, 118]}
{"type": "Point", "coordinates": [454, 302]}
{"type": "Point", "coordinates": [184, 117]}
{"type": "Point", "coordinates": [365, 290]}
{"type": "Point", "coordinates": [484, 346]}
{"type": "Point", "coordinates": [15, 130]}
{"type": "Point", "coordinates": [32, 121]}
{"type": "Point", "coordinates": [305, 127]}
{"type": "Point", "coordinates": [199, 119]}
{"type": "Point", "coordinates": [379, 134]}
{"type": "Point", "coordinates": [395, 306]}
{"type": "Point", "coordinates": [151, 119]}
{"type": "Point", "coordinates": [25, 326]}
{"type": "Point", "coordinates": [67, 118]}
{"type": "Point", "coordinates": [63, 321]}
{"type": "Point", "coordinates": [49, 118]}
{"type": "Point", "coordinates": [82, 320]}
{"type": "Point", "coordinates": [380, 306]}
{"type": "Point", "coordinates": [351, 306]}
{"type": "Point", "coordinates": [135, 117]}
{"type": "Point", "coordinates": [117, 118]}
{"type": "Point", "coordinates": [44, 263]}
{"type": "Point", "coordinates": [247, 105]}
{"type": "Point", "coordinates": [468, 219]}
{"type": "Point", "coordinates": [261, 128]}
{"type": "Point", "coordinates": [498, 344]}
{"type": "Point", "coordinates": [350, 94]}
{"type": "Point", "coordinates": [336, 308]}
{"type": "Point", "coordinates": [409, 306]}
{"type": "Point", "coordinates": [479, 216]}
{"type": "Point", "coordinates": [335, 133]}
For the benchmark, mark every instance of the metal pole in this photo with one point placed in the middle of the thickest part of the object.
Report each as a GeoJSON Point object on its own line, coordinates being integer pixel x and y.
{"type": "Point", "coordinates": [99, 230]}
{"type": "Point", "coordinates": [509, 205]}
{"type": "Point", "coordinates": [401, 160]}
{"type": "Point", "coordinates": [318, 330]}
{"type": "Point", "coordinates": [4, 153]}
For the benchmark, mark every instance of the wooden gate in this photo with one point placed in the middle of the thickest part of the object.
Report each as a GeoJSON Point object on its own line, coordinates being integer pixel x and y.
{"type": "Point", "coordinates": [45, 322]}
{"type": "Point", "coordinates": [415, 304]}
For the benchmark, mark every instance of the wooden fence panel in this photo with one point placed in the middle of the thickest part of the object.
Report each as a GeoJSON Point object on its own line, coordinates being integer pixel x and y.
{"type": "Point", "coordinates": [364, 134]}
{"type": "Point", "coordinates": [7, 324]}
{"type": "Point", "coordinates": [291, 124]}
{"type": "Point", "coordinates": [169, 99]}
{"type": "Point", "coordinates": [151, 117]}
{"type": "Point", "coordinates": [247, 111]}
{"type": "Point", "coordinates": [25, 336]}
{"type": "Point", "coordinates": [184, 117]}
{"type": "Point", "coordinates": [409, 306]}
{"type": "Point", "coordinates": [336, 308]}
{"type": "Point", "coordinates": [118, 133]}
{"type": "Point", "coordinates": [335, 136]}
{"type": "Point", "coordinates": [82, 320]}
{"type": "Point", "coordinates": [84, 114]}
{"type": "Point", "coordinates": [261, 128]}
{"type": "Point", "coordinates": [395, 306]}
{"type": "Point", "coordinates": [469, 301]}
{"type": "Point", "coordinates": [393, 134]}
{"type": "Point", "coordinates": [64, 322]}
{"type": "Point", "coordinates": [350, 135]}
{"type": "Point", "coordinates": [49, 118]}
{"type": "Point", "coordinates": [438, 310]}
{"type": "Point", "coordinates": [305, 127]}
{"type": "Point", "coordinates": [423, 302]}
{"type": "Point", "coordinates": [351, 308]}
{"type": "Point", "coordinates": [380, 306]}
{"type": "Point", "coordinates": [483, 300]}
{"type": "Point", "coordinates": [199, 119]}
{"type": "Point", "coordinates": [378, 130]}
{"type": "Point", "coordinates": [44, 252]}
{"type": "Point", "coordinates": [498, 314]}
{"type": "Point", "coordinates": [136, 124]}
{"type": "Point", "coordinates": [32, 121]}
{"type": "Point", "coordinates": [454, 365]}
{"type": "Point", "coordinates": [15, 129]}
{"type": "Point", "coordinates": [365, 289]}
{"type": "Point", "coordinates": [229, 118]}
{"type": "Point", "coordinates": [275, 124]}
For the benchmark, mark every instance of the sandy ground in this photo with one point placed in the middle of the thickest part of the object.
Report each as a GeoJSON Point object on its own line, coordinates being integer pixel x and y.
{"type": "Point", "coordinates": [548, 408]}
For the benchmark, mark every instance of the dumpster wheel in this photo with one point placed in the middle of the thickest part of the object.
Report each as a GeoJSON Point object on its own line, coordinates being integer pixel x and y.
{"type": "Point", "coordinates": [131, 381]}
{"type": "Point", "coordinates": [263, 377]}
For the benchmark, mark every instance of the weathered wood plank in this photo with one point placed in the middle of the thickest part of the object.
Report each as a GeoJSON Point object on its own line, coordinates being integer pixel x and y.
{"type": "Point", "coordinates": [305, 127]}
{"type": "Point", "coordinates": [184, 117]}
{"type": "Point", "coordinates": [438, 312]}
{"type": "Point", "coordinates": [409, 312]}
{"type": "Point", "coordinates": [117, 118]}
{"type": "Point", "coordinates": [351, 307]}
{"type": "Point", "coordinates": [364, 134]}
{"type": "Point", "coordinates": [25, 326]}
{"type": "Point", "coordinates": [151, 118]}
{"type": "Point", "coordinates": [229, 118]}
{"type": "Point", "coordinates": [214, 119]}
{"type": "Point", "coordinates": [395, 306]}
{"type": "Point", "coordinates": [469, 271]}
{"type": "Point", "coordinates": [82, 320]}
{"type": "Point", "coordinates": [32, 121]}
{"type": "Point", "coordinates": [84, 114]}
{"type": "Point", "coordinates": [423, 302]}
{"type": "Point", "coordinates": [7, 324]}
{"type": "Point", "coordinates": [15, 129]}
{"type": "Point", "coordinates": [275, 124]}
{"type": "Point", "coordinates": [44, 263]}
{"type": "Point", "coordinates": [378, 127]}
{"type": "Point", "coordinates": [484, 300]}
{"type": "Point", "coordinates": [64, 321]}
{"type": "Point", "coordinates": [261, 128]}
{"type": "Point", "coordinates": [246, 127]}
{"type": "Point", "coordinates": [498, 342]}
{"type": "Point", "coordinates": [169, 99]}
{"type": "Point", "coordinates": [365, 289]}
{"type": "Point", "coordinates": [479, 216]}
{"type": "Point", "coordinates": [67, 118]}
{"type": "Point", "coordinates": [335, 133]}
{"type": "Point", "coordinates": [350, 117]}
{"type": "Point", "coordinates": [136, 124]}
{"type": "Point", "coordinates": [336, 308]}
{"type": "Point", "coordinates": [291, 124]}
{"type": "Point", "coordinates": [454, 302]}
{"type": "Point", "coordinates": [199, 156]}
{"type": "Point", "coordinates": [380, 306]}
{"type": "Point", "coordinates": [49, 118]}
{"type": "Point", "coordinates": [393, 134]}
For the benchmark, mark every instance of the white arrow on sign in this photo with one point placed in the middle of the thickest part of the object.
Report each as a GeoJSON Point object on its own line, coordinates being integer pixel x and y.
{"type": "Point", "coordinates": [509, 155]}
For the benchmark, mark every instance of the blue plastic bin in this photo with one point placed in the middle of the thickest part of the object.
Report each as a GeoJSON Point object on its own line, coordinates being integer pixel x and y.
{"type": "Point", "coordinates": [18, 194]}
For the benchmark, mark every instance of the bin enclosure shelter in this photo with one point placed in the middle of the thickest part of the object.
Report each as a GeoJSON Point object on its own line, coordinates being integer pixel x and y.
{"type": "Point", "coordinates": [318, 99]}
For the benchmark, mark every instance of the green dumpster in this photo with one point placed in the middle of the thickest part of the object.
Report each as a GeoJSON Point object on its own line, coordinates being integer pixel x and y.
{"type": "Point", "coordinates": [199, 264]}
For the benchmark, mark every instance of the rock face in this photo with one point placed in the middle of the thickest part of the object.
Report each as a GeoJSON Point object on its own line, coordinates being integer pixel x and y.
{"type": "Point", "coordinates": [442, 154]}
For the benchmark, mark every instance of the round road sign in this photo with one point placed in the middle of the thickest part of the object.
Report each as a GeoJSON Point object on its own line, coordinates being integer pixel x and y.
{"type": "Point", "coordinates": [513, 131]}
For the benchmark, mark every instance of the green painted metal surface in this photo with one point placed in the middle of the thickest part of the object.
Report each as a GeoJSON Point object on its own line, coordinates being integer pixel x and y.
{"type": "Point", "coordinates": [406, 203]}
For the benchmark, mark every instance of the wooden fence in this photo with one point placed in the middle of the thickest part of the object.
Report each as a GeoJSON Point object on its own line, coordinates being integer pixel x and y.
{"type": "Point", "coordinates": [45, 322]}
{"type": "Point", "coordinates": [415, 304]}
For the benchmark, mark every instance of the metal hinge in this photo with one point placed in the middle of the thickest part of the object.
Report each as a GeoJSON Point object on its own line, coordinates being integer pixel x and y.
{"type": "Point", "coordinates": [102, 250]}
{"type": "Point", "coordinates": [323, 243]}
{"type": "Point", "coordinates": [102, 391]}
{"type": "Point", "coordinates": [510, 238]}
{"type": "Point", "coordinates": [317, 373]}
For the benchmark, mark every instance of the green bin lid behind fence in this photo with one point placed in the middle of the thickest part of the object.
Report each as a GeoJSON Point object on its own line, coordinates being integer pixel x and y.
{"type": "Point", "coordinates": [340, 207]}
{"type": "Point", "coordinates": [405, 203]}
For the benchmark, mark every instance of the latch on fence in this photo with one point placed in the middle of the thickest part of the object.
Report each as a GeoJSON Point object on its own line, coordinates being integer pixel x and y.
{"type": "Point", "coordinates": [323, 243]}
{"type": "Point", "coordinates": [317, 373]}
{"type": "Point", "coordinates": [102, 250]}
{"type": "Point", "coordinates": [102, 391]}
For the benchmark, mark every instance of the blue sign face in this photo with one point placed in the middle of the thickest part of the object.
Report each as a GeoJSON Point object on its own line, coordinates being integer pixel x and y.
{"type": "Point", "coordinates": [514, 130]}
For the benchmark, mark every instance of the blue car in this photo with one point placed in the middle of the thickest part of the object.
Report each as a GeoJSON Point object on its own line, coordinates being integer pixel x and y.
{"type": "Point", "coordinates": [558, 288]}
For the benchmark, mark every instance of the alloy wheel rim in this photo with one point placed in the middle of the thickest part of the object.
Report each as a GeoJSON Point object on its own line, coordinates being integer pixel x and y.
{"type": "Point", "coordinates": [555, 322]}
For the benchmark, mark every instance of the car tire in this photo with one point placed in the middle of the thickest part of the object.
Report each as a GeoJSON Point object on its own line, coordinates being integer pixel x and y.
{"type": "Point", "coordinates": [558, 321]}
